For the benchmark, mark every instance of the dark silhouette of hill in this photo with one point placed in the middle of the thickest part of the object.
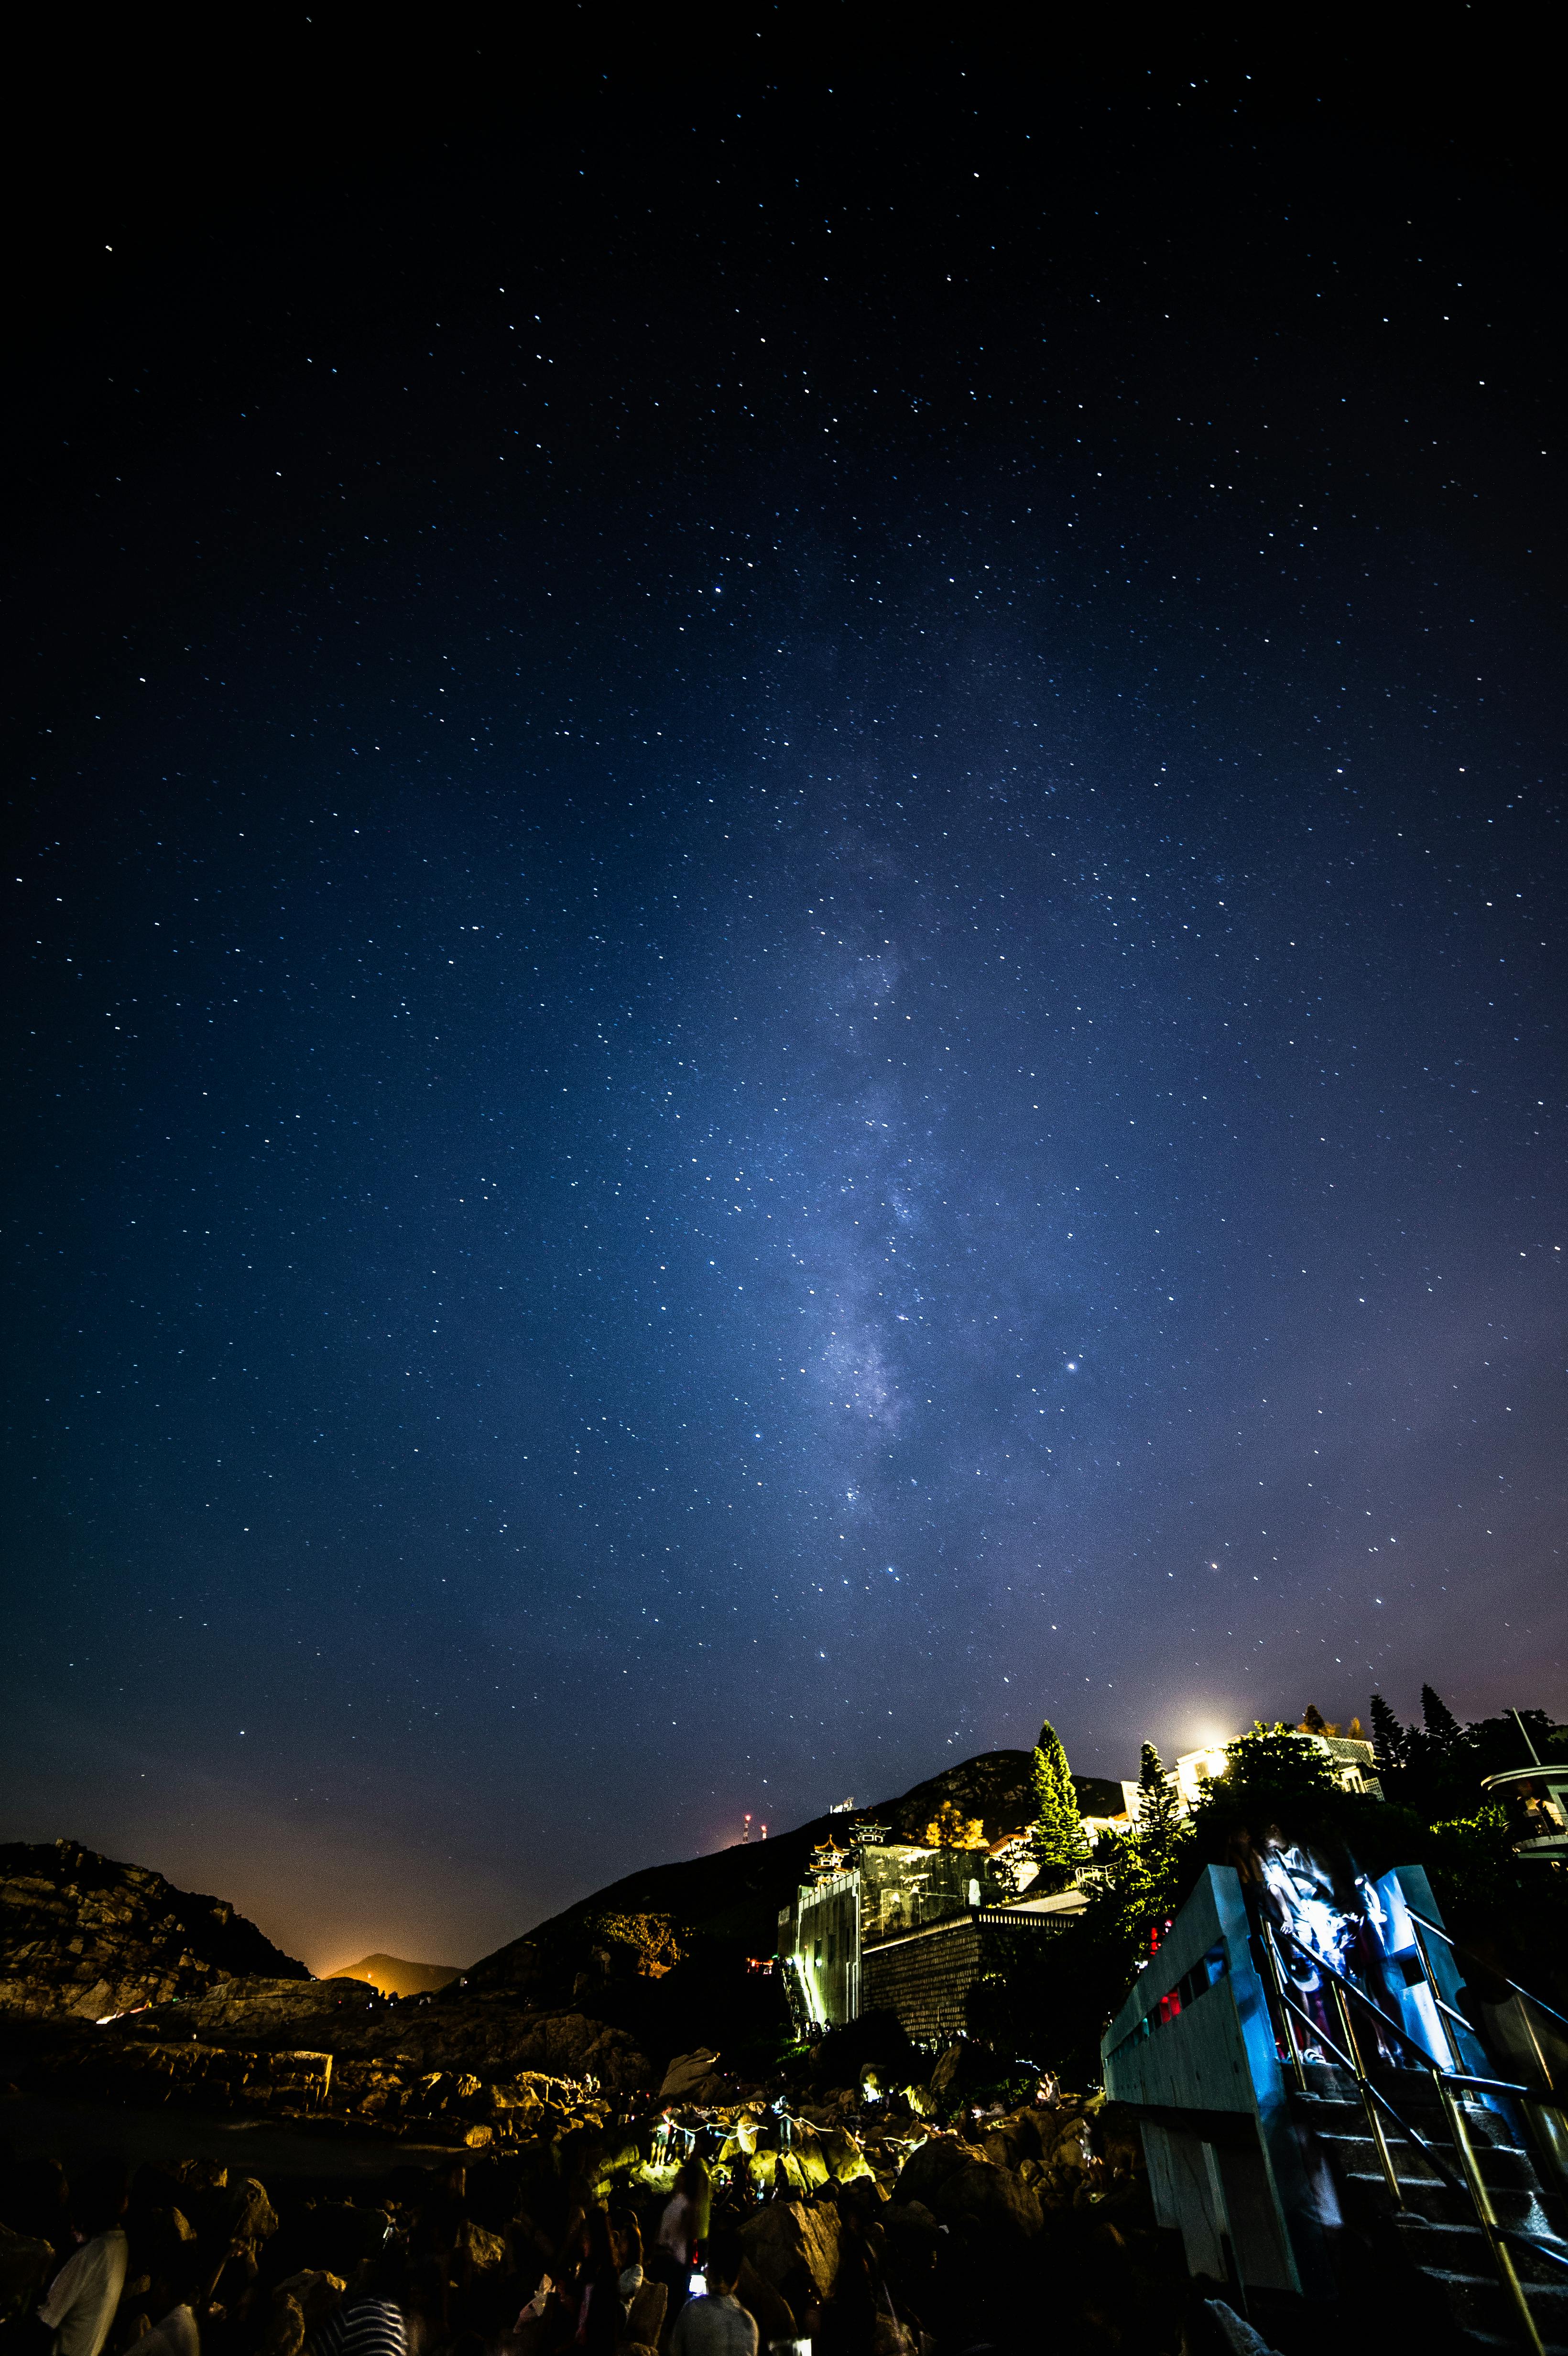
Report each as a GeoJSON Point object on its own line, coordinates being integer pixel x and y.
{"type": "Point", "coordinates": [734, 1895]}
{"type": "Point", "coordinates": [662, 1953]}
{"type": "Point", "coordinates": [395, 1976]}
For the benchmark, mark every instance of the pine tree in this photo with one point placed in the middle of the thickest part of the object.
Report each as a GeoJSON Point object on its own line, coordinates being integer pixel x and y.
{"type": "Point", "coordinates": [1160, 1816]}
{"type": "Point", "coordinates": [1161, 1829]}
{"type": "Point", "coordinates": [1314, 1721]}
{"type": "Point", "coordinates": [1389, 1741]}
{"type": "Point", "coordinates": [1059, 1842]}
{"type": "Point", "coordinates": [1440, 1721]}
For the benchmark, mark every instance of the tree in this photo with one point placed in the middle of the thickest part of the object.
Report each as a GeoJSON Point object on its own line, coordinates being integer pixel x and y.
{"type": "Point", "coordinates": [1389, 1740]}
{"type": "Point", "coordinates": [646, 1944]}
{"type": "Point", "coordinates": [1059, 1842]}
{"type": "Point", "coordinates": [1313, 1721]}
{"type": "Point", "coordinates": [1440, 1721]}
{"type": "Point", "coordinates": [1271, 1765]}
{"type": "Point", "coordinates": [950, 1829]}
{"type": "Point", "coordinates": [1160, 1816]}
{"type": "Point", "coordinates": [1161, 1830]}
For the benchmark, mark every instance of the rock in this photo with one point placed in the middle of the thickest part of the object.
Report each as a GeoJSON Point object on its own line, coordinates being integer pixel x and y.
{"type": "Point", "coordinates": [284, 2333]}
{"type": "Point", "coordinates": [1015, 2138]}
{"type": "Point", "coordinates": [912, 2239]}
{"type": "Point", "coordinates": [250, 2215]}
{"type": "Point", "coordinates": [484, 2252]}
{"type": "Point", "coordinates": [990, 2200]}
{"type": "Point", "coordinates": [947, 2070]}
{"type": "Point", "coordinates": [687, 2072]}
{"type": "Point", "coordinates": [316, 2292]}
{"type": "Point", "coordinates": [768, 2307]}
{"type": "Point", "coordinates": [787, 2236]}
{"type": "Point", "coordinates": [844, 2158]}
{"type": "Point", "coordinates": [928, 2168]}
{"type": "Point", "coordinates": [26, 2267]}
{"type": "Point", "coordinates": [805, 2158]}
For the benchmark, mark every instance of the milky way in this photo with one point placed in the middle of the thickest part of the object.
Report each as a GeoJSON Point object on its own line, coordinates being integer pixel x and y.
{"type": "Point", "coordinates": [788, 958]}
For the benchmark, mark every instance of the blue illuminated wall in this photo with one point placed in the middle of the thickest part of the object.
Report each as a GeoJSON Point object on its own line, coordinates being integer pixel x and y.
{"type": "Point", "coordinates": [1193, 2050]}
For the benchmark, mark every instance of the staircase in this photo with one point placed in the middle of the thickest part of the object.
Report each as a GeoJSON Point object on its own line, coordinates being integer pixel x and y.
{"type": "Point", "coordinates": [1435, 2239]}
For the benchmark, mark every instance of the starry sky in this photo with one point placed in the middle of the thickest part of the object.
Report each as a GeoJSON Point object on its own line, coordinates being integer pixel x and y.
{"type": "Point", "coordinates": [786, 974]}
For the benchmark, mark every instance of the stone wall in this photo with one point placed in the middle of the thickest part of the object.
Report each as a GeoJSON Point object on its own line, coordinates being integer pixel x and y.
{"type": "Point", "coordinates": [925, 1977]}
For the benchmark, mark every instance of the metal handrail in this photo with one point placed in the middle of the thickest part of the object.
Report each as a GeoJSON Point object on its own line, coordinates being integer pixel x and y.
{"type": "Point", "coordinates": [1386, 2021]}
{"type": "Point", "coordinates": [1448, 1936]}
{"type": "Point", "coordinates": [1498, 2236]}
{"type": "Point", "coordinates": [1433, 2159]}
{"type": "Point", "coordinates": [1550, 2248]}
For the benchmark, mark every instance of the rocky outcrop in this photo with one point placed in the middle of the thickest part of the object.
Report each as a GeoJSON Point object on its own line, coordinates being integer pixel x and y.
{"type": "Point", "coordinates": [81, 1935]}
{"type": "Point", "coordinates": [260, 2012]}
{"type": "Point", "coordinates": [483, 2036]}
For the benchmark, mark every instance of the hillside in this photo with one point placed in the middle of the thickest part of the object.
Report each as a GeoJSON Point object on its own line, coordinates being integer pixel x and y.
{"type": "Point", "coordinates": [678, 1979]}
{"type": "Point", "coordinates": [734, 1895]}
{"type": "Point", "coordinates": [395, 1976]}
{"type": "Point", "coordinates": [653, 1965]}
{"type": "Point", "coordinates": [82, 1934]}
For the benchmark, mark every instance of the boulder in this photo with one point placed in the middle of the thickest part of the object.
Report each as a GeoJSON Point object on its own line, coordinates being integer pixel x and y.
{"type": "Point", "coordinates": [911, 2238]}
{"type": "Point", "coordinates": [947, 2070]}
{"type": "Point", "coordinates": [283, 2331]}
{"type": "Point", "coordinates": [928, 2168]}
{"type": "Point", "coordinates": [785, 2238]}
{"type": "Point", "coordinates": [486, 2253]}
{"type": "Point", "coordinates": [26, 2266]}
{"type": "Point", "coordinates": [990, 2201]}
{"type": "Point", "coordinates": [685, 2074]}
{"type": "Point", "coordinates": [317, 2294]}
{"type": "Point", "coordinates": [844, 2158]}
{"type": "Point", "coordinates": [768, 2307]}
{"type": "Point", "coordinates": [805, 2158]}
{"type": "Point", "coordinates": [1024, 2133]}
{"type": "Point", "coordinates": [250, 2216]}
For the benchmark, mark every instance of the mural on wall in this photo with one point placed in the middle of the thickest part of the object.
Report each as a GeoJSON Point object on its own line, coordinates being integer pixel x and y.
{"type": "Point", "coordinates": [1328, 1917]}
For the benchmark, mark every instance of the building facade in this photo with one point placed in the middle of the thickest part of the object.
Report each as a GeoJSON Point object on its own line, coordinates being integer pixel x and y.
{"type": "Point", "coordinates": [887, 1924]}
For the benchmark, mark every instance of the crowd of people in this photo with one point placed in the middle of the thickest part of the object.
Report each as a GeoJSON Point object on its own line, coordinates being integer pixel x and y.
{"type": "Point", "coordinates": [178, 2262]}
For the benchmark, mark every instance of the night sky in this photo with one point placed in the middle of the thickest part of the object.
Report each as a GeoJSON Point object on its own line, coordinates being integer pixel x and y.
{"type": "Point", "coordinates": [786, 970]}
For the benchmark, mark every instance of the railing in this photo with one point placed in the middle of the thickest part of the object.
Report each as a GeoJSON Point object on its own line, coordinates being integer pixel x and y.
{"type": "Point", "coordinates": [1502, 2240]}
{"type": "Point", "coordinates": [1525, 1995]}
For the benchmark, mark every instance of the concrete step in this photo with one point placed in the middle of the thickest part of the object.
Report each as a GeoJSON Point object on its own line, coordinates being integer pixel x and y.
{"type": "Point", "coordinates": [1479, 2304]}
{"type": "Point", "coordinates": [1519, 2210]}
{"type": "Point", "coordinates": [1503, 2169]}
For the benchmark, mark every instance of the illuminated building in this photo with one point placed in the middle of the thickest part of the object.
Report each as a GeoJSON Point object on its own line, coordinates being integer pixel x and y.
{"type": "Point", "coordinates": [887, 1924]}
{"type": "Point", "coordinates": [1354, 1765]}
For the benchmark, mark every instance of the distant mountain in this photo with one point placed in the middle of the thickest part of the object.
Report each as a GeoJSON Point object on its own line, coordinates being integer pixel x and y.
{"type": "Point", "coordinates": [395, 1976]}
{"type": "Point", "coordinates": [81, 1934]}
